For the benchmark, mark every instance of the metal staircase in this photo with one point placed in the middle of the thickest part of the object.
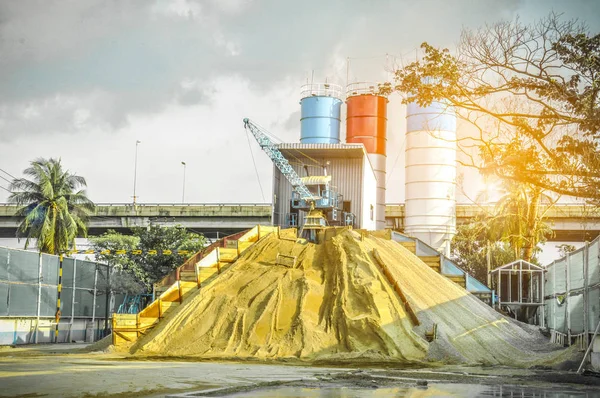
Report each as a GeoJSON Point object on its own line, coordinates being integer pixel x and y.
{"type": "Point", "coordinates": [199, 270]}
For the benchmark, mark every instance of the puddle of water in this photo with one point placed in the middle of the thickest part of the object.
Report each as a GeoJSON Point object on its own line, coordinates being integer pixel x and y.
{"type": "Point", "coordinates": [433, 390]}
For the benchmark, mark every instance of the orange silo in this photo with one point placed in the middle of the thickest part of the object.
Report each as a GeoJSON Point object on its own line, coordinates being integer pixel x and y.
{"type": "Point", "coordinates": [366, 123]}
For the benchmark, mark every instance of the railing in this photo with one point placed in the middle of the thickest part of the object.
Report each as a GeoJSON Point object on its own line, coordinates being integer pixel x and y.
{"type": "Point", "coordinates": [362, 88]}
{"type": "Point", "coordinates": [321, 90]}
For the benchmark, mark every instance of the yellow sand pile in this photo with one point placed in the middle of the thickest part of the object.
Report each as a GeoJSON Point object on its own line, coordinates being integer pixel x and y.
{"type": "Point", "coordinates": [337, 304]}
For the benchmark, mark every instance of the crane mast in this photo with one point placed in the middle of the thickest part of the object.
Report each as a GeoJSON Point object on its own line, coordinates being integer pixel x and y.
{"type": "Point", "coordinates": [320, 201]}
{"type": "Point", "coordinates": [277, 157]}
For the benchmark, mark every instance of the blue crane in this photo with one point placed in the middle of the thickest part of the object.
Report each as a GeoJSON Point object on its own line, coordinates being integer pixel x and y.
{"type": "Point", "coordinates": [277, 157]}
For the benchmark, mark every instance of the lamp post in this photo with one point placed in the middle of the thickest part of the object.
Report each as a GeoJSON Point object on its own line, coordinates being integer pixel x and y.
{"type": "Point", "coordinates": [183, 191]}
{"type": "Point", "coordinates": [135, 170]}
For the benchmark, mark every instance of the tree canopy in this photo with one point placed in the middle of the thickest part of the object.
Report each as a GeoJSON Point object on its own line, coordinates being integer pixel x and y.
{"type": "Point", "coordinates": [141, 271]}
{"type": "Point", "coordinates": [532, 93]}
{"type": "Point", "coordinates": [54, 205]}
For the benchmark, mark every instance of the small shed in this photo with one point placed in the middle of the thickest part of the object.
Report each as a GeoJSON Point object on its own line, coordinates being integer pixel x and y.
{"type": "Point", "coordinates": [520, 289]}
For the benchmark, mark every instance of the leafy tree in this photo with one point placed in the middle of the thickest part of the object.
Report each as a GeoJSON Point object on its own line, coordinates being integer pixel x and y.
{"type": "Point", "coordinates": [470, 248]}
{"type": "Point", "coordinates": [54, 206]}
{"type": "Point", "coordinates": [147, 269]}
{"type": "Point", "coordinates": [518, 220]}
{"type": "Point", "coordinates": [564, 249]}
{"type": "Point", "coordinates": [125, 275]}
{"type": "Point", "coordinates": [531, 92]}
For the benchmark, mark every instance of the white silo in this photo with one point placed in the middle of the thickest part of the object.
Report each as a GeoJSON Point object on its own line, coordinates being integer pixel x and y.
{"type": "Point", "coordinates": [430, 210]}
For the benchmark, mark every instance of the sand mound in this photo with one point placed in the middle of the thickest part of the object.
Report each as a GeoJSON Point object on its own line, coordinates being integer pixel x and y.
{"type": "Point", "coordinates": [337, 304]}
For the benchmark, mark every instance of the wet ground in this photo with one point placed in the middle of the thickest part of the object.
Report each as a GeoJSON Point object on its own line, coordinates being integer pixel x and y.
{"type": "Point", "coordinates": [62, 371]}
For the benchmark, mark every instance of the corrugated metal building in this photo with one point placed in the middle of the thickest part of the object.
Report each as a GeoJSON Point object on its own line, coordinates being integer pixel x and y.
{"type": "Point", "coordinates": [351, 175]}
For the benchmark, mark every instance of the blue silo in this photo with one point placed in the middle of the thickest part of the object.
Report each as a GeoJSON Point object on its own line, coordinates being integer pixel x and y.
{"type": "Point", "coordinates": [320, 114]}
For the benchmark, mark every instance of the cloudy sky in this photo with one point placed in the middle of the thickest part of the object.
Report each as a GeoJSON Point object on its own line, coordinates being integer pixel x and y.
{"type": "Point", "coordinates": [84, 80]}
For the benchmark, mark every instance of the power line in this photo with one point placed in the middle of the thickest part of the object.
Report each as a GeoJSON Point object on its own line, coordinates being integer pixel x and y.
{"type": "Point", "coordinates": [8, 174]}
{"type": "Point", "coordinates": [6, 179]}
{"type": "Point", "coordinates": [7, 190]}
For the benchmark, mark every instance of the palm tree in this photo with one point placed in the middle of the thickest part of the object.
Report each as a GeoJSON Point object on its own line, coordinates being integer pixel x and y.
{"type": "Point", "coordinates": [53, 204]}
{"type": "Point", "coordinates": [519, 219]}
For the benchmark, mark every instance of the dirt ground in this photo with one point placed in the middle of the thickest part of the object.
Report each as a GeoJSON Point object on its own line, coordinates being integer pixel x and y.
{"type": "Point", "coordinates": [65, 371]}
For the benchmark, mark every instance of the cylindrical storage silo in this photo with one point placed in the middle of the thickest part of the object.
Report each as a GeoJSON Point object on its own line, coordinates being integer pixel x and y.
{"type": "Point", "coordinates": [320, 114]}
{"type": "Point", "coordinates": [366, 123]}
{"type": "Point", "coordinates": [430, 211]}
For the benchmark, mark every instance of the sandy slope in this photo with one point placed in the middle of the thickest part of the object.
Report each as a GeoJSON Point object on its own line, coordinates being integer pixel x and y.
{"type": "Point", "coordinates": [337, 304]}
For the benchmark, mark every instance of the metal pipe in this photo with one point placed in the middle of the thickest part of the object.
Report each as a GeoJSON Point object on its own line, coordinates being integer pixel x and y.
{"type": "Point", "coordinates": [586, 260]}
{"type": "Point", "coordinates": [568, 290]}
{"type": "Point", "coordinates": [183, 191]}
{"type": "Point", "coordinates": [135, 170]}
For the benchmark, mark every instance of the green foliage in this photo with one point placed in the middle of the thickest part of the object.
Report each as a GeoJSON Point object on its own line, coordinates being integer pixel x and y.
{"type": "Point", "coordinates": [147, 269]}
{"type": "Point", "coordinates": [54, 206]}
{"type": "Point", "coordinates": [533, 93]}
{"type": "Point", "coordinates": [470, 248]}
{"type": "Point", "coordinates": [565, 248]}
{"type": "Point", "coordinates": [125, 273]}
{"type": "Point", "coordinates": [518, 220]}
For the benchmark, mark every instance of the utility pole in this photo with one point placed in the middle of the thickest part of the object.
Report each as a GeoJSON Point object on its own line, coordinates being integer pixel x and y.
{"type": "Point", "coordinates": [135, 170]}
{"type": "Point", "coordinates": [183, 192]}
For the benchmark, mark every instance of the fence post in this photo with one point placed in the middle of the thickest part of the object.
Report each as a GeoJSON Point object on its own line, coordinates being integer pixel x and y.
{"type": "Point", "coordinates": [543, 298]}
{"type": "Point", "coordinates": [107, 301]}
{"type": "Point", "coordinates": [59, 289]}
{"type": "Point", "coordinates": [74, 285]}
{"type": "Point", "coordinates": [39, 301]}
{"type": "Point", "coordinates": [94, 304]}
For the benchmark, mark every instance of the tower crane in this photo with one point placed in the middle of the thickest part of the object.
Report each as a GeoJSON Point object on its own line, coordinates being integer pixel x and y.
{"type": "Point", "coordinates": [316, 197]}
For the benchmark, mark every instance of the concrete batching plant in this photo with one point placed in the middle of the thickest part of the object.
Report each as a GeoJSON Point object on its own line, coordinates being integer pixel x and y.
{"type": "Point", "coordinates": [430, 201]}
{"type": "Point", "coordinates": [366, 123]}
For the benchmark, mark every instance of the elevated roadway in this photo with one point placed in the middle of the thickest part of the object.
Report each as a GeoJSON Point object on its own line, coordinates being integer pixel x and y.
{"type": "Point", "coordinates": [571, 223]}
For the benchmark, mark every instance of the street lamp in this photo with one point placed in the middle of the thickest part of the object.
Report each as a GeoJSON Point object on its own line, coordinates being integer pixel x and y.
{"type": "Point", "coordinates": [183, 192]}
{"type": "Point", "coordinates": [135, 170]}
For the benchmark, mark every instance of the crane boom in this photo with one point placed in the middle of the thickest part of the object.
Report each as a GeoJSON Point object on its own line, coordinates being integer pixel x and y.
{"type": "Point", "coordinates": [277, 157]}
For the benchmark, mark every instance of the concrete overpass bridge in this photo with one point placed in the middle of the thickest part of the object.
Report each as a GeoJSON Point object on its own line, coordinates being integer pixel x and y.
{"type": "Point", "coordinates": [569, 222]}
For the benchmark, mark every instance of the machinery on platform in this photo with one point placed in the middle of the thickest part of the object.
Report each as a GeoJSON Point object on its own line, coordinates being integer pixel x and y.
{"type": "Point", "coordinates": [311, 194]}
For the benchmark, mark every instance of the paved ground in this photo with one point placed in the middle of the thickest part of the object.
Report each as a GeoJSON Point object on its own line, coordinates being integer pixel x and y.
{"type": "Point", "coordinates": [61, 371]}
